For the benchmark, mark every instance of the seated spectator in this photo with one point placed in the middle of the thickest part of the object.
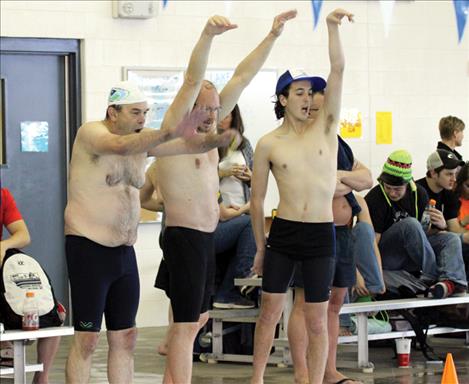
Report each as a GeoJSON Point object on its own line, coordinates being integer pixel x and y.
{"type": "Point", "coordinates": [234, 231]}
{"type": "Point", "coordinates": [439, 182]}
{"type": "Point", "coordinates": [11, 218]}
{"type": "Point", "coordinates": [396, 205]}
{"type": "Point", "coordinates": [235, 163]}
{"type": "Point", "coordinates": [452, 134]}
{"type": "Point", "coordinates": [369, 273]}
{"type": "Point", "coordinates": [366, 254]}
{"type": "Point", "coordinates": [462, 192]}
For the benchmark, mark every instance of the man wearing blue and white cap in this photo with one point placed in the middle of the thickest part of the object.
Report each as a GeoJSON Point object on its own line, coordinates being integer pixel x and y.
{"type": "Point", "coordinates": [302, 155]}
{"type": "Point", "coordinates": [352, 175]}
{"type": "Point", "coordinates": [101, 217]}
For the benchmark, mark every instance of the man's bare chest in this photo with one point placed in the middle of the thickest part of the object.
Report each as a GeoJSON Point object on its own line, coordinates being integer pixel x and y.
{"type": "Point", "coordinates": [297, 154]}
{"type": "Point", "coordinates": [122, 170]}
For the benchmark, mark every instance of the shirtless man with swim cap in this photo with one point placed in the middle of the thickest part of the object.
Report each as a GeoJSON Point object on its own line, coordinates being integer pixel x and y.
{"type": "Point", "coordinates": [106, 170]}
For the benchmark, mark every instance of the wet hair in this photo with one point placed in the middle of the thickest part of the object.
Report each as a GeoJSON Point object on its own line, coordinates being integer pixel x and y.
{"type": "Point", "coordinates": [118, 108]}
{"type": "Point", "coordinates": [237, 124]}
{"type": "Point", "coordinates": [448, 125]}
{"type": "Point", "coordinates": [463, 175]}
{"type": "Point", "coordinates": [279, 109]}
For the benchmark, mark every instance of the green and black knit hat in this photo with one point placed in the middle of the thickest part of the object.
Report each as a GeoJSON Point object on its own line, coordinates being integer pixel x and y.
{"type": "Point", "coordinates": [397, 169]}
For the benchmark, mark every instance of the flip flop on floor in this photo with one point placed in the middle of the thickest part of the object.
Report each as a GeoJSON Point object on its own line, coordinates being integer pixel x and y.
{"type": "Point", "coordinates": [346, 379]}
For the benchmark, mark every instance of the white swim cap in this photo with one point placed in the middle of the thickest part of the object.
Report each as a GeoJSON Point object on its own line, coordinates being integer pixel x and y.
{"type": "Point", "coordinates": [125, 92]}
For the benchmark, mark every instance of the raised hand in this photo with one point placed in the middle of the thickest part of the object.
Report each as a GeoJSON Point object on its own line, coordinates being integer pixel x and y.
{"type": "Point", "coordinates": [280, 20]}
{"type": "Point", "coordinates": [187, 127]}
{"type": "Point", "coordinates": [336, 16]}
{"type": "Point", "coordinates": [217, 25]}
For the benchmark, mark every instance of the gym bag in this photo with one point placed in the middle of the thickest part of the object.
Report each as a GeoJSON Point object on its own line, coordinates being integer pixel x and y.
{"type": "Point", "coordinates": [19, 274]}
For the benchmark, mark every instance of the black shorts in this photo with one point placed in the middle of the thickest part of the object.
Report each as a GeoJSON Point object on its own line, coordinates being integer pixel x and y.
{"type": "Point", "coordinates": [103, 280]}
{"type": "Point", "coordinates": [190, 258]}
{"type": "Point", "coordinates": [162, 277]}
{"type": "Point", "coordinates": [344, 274]}
{"type": "Point", "coordinates": [310, 247]}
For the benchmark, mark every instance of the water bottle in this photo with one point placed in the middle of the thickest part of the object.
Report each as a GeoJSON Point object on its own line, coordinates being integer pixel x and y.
{"type": "Point", "coordinates": [30, 313]}
{"type": "Point", "coordinates": [426, 222]}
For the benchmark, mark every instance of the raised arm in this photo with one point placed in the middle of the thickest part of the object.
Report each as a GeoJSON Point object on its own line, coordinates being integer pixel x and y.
{"type": "Point", "coordinates": [198, 144]}
{"type": "Point", "coordinates": [260, 177]}
{"type": "Point", "coordinates": [194, 75]}
{"type": "Point", "coordinates": [248, 68]}
{"type": "Point", "coordinates": [189, 140]}
{"type": "Point", "coordinates": [333, 94]}
{"type": "Point", "coordinates": [98, 140]}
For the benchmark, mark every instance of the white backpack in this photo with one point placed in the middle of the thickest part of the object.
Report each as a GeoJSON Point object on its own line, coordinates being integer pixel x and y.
{"type": "Point", "coordinates": [19, 274]}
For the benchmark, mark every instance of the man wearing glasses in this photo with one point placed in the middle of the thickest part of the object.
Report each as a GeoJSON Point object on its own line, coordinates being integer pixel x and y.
{"type": "Point", "coordinates": [189, 187]}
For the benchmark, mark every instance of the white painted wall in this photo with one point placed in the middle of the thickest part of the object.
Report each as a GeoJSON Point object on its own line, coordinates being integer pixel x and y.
{"type": "Point", "coordinates": [419, 72]}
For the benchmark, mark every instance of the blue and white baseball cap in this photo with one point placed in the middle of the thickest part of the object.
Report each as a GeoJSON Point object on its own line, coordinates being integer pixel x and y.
{"type": "Point", "coordinates": [288, 77]}
{"type": "Point", "coordinates": [126, 92]}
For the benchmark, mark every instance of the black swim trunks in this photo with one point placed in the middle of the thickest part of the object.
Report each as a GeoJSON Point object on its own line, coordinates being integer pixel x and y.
{"type": "Point", "coordinates": [344, 274]}
{"type": "Point", "coordinates": [103, 280]}
{"type": "Point", "coordinates": [310, 246]}
{"type": "Point", "coordinates": [190, 258]}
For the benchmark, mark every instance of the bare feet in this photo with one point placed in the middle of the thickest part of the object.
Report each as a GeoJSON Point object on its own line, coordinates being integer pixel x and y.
{"type": "Point", "coordinates": [302, 381]}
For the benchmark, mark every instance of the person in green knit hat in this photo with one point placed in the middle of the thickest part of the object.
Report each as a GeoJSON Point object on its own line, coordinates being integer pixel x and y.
{"type": "Point", "coordinates": [396, 206]}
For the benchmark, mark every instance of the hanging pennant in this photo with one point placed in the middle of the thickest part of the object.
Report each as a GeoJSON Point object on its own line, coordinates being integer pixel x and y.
{"type": "Point", "coordinates": [461, 7]}
{"type": "Point", "coordinates": [387, 7]}
{"type": "Point", "coordinates": [165, 2]}
{"type": "Point", "coordinates": [317, 4]}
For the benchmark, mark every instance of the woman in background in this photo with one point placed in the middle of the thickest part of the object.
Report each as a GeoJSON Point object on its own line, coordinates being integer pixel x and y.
{"type": "Point", "coordinates": [234, 231]}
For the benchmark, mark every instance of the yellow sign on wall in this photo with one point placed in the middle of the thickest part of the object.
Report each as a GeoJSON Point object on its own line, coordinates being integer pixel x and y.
{"type": "Point", "coordinates": [350, 123]}
{"type": "Point", "coordinates": [383, 127]}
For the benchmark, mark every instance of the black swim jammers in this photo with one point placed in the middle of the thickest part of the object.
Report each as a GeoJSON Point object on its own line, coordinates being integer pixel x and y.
{"type": "Point", "coordinates": [190, 259]}
{"type": "Point", "coordinates": [311, 246]}
{"type": "Point", "coordinates": [102, 280]}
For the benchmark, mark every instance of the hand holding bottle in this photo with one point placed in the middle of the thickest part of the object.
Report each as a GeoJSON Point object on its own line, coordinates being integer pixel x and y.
{"type": "Point", "coordinates": [426, 216]}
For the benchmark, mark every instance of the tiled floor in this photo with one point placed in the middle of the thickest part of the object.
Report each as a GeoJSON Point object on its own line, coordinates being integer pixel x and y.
{"type": "Point", "coordinates": [149, 366]}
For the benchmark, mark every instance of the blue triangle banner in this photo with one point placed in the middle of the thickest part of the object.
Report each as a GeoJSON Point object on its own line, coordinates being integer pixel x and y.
{"type": "Point", "coordinates": [317, 4]}
{"type": "Point", "coordinates": [165, 2]}
{"type": "Point", "coordinates": [461, 8]}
